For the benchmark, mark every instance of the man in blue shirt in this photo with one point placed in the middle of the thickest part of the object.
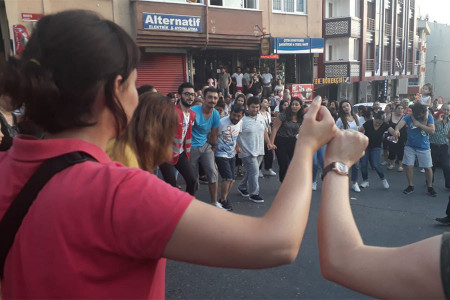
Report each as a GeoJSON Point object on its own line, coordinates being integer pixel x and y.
{"type": "Point", "coordinates": [207, 121]}
{"type": "Point", "coordinates": [420, 126]}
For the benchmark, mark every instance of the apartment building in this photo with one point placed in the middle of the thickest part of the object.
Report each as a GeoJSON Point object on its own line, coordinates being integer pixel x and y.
{"type": "Point", "coordinates": [191, 39]}
{"type": "Point", "coordinates": [370, 45]}
{"type": "Point", "coordinates": [415, 84]}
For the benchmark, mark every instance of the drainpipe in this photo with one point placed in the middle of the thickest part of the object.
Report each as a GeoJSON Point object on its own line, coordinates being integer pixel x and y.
{"type": "Point", "coordinates": [207, 23]}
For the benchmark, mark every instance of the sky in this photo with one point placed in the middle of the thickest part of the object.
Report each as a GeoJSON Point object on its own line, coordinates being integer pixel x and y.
{"type": "Point", "coordinates": [437, 10]}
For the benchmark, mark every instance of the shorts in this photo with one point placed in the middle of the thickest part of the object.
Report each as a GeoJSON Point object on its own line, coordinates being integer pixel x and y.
{"type": "Point", "coordinates": [226, 167]}
{"type": "Point", "coordinates": [423, 157]}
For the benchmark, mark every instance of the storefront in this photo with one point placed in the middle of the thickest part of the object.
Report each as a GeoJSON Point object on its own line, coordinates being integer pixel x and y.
{"type": "Point", "coordinates": [297, 55]}
{"type": "Point", "coordinates": [190, 42]}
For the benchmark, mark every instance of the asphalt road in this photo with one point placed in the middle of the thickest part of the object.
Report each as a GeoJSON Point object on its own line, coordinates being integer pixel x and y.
{"type": "Point", "coordinates": [384, 217]}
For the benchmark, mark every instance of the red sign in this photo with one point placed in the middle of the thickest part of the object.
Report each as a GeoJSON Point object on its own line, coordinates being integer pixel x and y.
{"type": "Point", "coordinates": [31, 17]}
{"type": "Point", "coordinates": [21, 37]}
{"type": "Point", "coordinates": [302, 91]}
{"type": "Point", "coordinates": [273, 56]}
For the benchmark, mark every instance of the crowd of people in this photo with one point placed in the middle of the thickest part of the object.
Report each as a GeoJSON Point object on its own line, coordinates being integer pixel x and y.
{"type": "Point", "coordinates": [97, 228]}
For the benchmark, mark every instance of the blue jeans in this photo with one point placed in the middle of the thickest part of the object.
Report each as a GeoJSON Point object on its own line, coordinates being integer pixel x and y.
{"type": "Point", "coordinates": [374, 154]}
{"type": "Point", "coordinates": [354, 172]}
{"type": "Point", "coordinates": [250, 180]}
{"type": "Point", "coordinates": [318, 159]}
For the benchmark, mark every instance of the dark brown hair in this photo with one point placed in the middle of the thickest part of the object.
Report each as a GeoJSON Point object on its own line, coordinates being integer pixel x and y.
{"type": "Point", "coordinates": [150, 132]}
{"type": "Point", "coordinates": [71, 57]}
{"type": "Point", "coordinates": [343, 116]}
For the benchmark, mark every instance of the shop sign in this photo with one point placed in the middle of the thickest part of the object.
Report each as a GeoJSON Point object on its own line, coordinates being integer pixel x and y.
{"type": "Point", "coordinates": [21, 38]}
{"type": "Point", "coordinates": [183, 23]}
{"type": "Point", "coordinates": [265, 46]}
{"type": "Point", "coordinates": [292, 45]}
{"type": "Point", "coordinates": [330, 80]}
{"type": "Point", "coordinates": [29, 17]}
{"type": "Point", "coordinates": [273, 56]}
{"type": "Point", "coordinates": [317, 45]}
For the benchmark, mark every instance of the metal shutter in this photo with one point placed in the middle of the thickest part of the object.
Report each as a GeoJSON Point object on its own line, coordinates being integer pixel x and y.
{"type": "Point", "coordinates": [164, 71]}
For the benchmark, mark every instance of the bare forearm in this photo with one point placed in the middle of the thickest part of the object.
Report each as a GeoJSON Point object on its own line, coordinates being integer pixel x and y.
{"type": "Point", "coordinates": [337, 231]}
{"type": "Point", "coordinates": [290, 208]}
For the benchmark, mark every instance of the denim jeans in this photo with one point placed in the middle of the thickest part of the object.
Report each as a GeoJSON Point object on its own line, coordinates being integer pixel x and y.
{"type": "Point", "coordinates": [374, 154]}
{"type": "Point", "coordinates": [318, 160]}
{"type": "Point", "coordinates": [250, 180]}
{"type": "Point", "coordinates": [354, 172]}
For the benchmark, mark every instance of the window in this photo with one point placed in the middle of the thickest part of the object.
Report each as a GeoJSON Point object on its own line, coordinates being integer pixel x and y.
{"type": "Point", "coordinates": [186, 1]}
{"type": "Point", "coordinates": [330, 10]}
{"type": "Point", "coordinates": [252, 4]}
{"type": "Point", "coordinates": [330, 52]}
{"type": "Point", "coordinates": [290, 6]}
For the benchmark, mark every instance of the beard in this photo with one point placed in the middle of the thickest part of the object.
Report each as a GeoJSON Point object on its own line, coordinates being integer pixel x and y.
{"type": "Point", "coordinates": [185, 103]}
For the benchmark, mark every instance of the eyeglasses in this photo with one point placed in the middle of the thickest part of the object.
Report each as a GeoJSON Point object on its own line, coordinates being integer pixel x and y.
{"type": "Point", "coordinates": [189, 94]}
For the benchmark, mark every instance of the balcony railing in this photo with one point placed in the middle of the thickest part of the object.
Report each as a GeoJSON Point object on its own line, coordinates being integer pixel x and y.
{"type": "Point", "coordinates": [387, 29]}
{"type": "Point", "coordinates": [411, 36]}
{"type": "Point", "coordinates": [342, 69]}
{"type": "Point", "coordinates": [399, 32]}
{"type": "Point", "coordinates": [370, 64]}
{"type": "Point", "coordinates": [387, 64]}
{"type": "Point", "coordinates": [342, 27]}
{"type": "Point", "coordinates": [410, 67]}
{"type": "Point", "coordinates": [370, 24]}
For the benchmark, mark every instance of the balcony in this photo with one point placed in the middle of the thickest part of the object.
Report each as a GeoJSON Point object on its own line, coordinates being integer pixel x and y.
{"type": "Point", "coordinates": [387, 66]}
{"type": "Point", "coordinates": [411, 36]}
{"type": "Point", "coordinates": [387, 29]}
{"type": "Point", "coordinates": [370, 25]}
{"type": "Point", "coordinates": [410, 68]}
{"type": "Point", "coordinates": [370, 65]}
{"type": "Point", "coordinates": [399, 33]}
{"type": "Point", "coordinates": [342, 27]}
{"type": "Point", "coordinates": [342, 68]}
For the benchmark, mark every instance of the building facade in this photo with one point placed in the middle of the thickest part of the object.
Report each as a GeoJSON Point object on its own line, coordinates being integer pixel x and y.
{"type": "Point", "coordinates": [369, 43]}
{"type": "Point", "coordinates": [192, 39]}
{"type": "Point", "coordinates": [438, 60]}
{"type": "Point", "coordinates": [415, 84]}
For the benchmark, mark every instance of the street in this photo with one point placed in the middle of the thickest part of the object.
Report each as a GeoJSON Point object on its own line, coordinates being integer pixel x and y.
{"type": "Point", "coordinates": [384, 217]}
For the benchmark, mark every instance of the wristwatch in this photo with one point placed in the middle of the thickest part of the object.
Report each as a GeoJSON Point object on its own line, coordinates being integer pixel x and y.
{"type": "Point", "coordinates": [338, 167]}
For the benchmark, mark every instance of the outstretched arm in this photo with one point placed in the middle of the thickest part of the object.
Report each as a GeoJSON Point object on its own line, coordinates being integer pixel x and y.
{"type": "Point", "coordinates": [411, 271]}
{"type": "Point", "coordinates": [209, 236]}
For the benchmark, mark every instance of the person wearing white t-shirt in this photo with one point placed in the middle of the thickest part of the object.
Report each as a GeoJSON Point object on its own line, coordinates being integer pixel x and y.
{"type": "Point", "coordinates": [348, 120]}
{"type": "Point", "coordinates": [251, 141]}
{"type": "Point", "coordinates": [229, 129]}
{"type": "Point", "coordinates": [239, 77]}
{"type": "Point", "coordinates": [266, 82]}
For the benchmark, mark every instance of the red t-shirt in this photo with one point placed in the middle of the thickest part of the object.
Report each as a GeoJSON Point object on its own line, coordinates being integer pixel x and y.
{"type": "Point", "coordinates": [96, 230]}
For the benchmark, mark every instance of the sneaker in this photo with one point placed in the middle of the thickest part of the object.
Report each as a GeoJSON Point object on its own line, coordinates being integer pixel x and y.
{"type": "Point", "coordinates": [256, 198]}
{"type": "Point", "coordinates": [432, 192]}
{"type": "Point", "coordinates": [355, 187]}
{"type": "Point", "coordinates": [422, 170]}
{"type": "Point", "coordinates": [314, 186]}
{"type": "Point", "coordinates": [261, 175]}
{"type": "Point", "coordinates": [203, 179]}
{"type": "Point", "coordinates": [218, 205]}
{"type": "Point", "coordinates": [443, 221]}
{"type": "Point", "coordinates": [225, 204]}
{"type": "Point", "coordinates": [365, 184]}
{"type": "Point", "coordinates": [243, 192]}
{"type": "Point", "coordinates": [384, 163]}
{"type": "Point", "coordinates": [400, 169]}
{"type": "Point", "coordinates": [408, 190]}
{"type": "Point", "coordinates": [390, 167]}
{"type": "Point", "coordinates": [385, 183]}
{"type": "Point", "coordinates": [270, 172]}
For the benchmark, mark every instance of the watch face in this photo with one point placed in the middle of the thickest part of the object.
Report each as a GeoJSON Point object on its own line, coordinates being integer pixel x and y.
{"type": "Point", "coordinates": [341, 167]}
